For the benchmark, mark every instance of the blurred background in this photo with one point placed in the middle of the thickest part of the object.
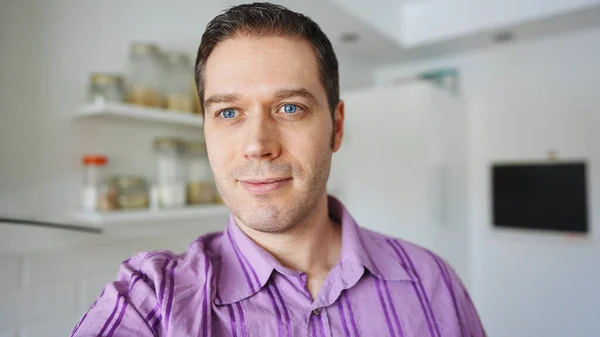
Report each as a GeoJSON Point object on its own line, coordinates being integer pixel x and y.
{"type": "Point", "coordinates": [472, 129]}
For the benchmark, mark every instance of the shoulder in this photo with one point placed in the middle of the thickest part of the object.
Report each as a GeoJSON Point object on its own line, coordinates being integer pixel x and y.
{"type": "Point", "coordinates": [156, 266]}
{"type": "Point", "coordinates": [420, 262]}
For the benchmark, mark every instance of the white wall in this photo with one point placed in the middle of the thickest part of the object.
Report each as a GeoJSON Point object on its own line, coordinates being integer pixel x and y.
{"type": "Point", "coordinates": [47, 50]}
{"type": "Point", "coordinates": [524, 99]}
{"type": "Point", "coordinates": [401, 167]}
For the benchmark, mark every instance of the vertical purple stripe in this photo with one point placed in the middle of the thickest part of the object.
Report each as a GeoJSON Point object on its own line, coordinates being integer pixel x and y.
{"type": "Point", "coordinates": [312, 327]}
{"type": "Point", "coordinates": [156, 323]}
{"type": "Point", "coordinates": [420, 285]}
{"type": "Point", "coordinates": [151, 313]}
{"type": "Point", "coordinates": [242, 318]}
{"type": "Point", "coordinates": [205, 298]}
{"type": "Point", "coordinates": [446, 277]}
{"type": "Point", "coordinates": [232, 315]}
{"type": "Point", "coordinates": [279, 321]}
{"type": "Point", "coordinates": [237, 254]}
{"type": "Point", "coordinates": [285, 310]}
{"type": "Point", "coordinates": [161, 292]}
{"type": "Point", "coordinates": [138, 277]}
{"type": "Point", "coordinates": [118, 322]}
{"type": "Point", "coordinates": [112, 315]}
{"type": "Point", "coordinates": [379, 293]}
{"type": "Point", "coordinates": [247, 263]}
{"type": "Point", "coordinates": [171, 295]}
{"type": "Point", "coordinates": [354, 327]}
{"type": "Point", "coordinates": [343, 317]}
{"type": "Point", "coordinates": [321, 326]}
{"type": "Point", "coordinates": [425, 313]}
{"type": "Point", "coordinates": [474, 314]}
{"type": "Point", "coordinates": [394, 313]}
{"type": "Point", "coordinates": [385, 310]}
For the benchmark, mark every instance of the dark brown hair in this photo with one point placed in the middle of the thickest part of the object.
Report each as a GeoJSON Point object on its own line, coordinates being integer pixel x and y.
{"type": "Point", "coordinates": [266, 19]}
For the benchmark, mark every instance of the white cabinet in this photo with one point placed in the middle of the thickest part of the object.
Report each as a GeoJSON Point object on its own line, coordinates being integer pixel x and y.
{"type": "Point", "coordinates": [402, 166]}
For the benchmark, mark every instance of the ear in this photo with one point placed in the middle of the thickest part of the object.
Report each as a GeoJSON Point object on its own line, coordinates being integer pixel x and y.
{"type": "Point", "coordinates": [338, 126]}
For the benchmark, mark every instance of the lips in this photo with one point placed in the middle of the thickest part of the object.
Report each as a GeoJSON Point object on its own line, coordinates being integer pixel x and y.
{"type": "Point", "coordinates": [263, 181]}
{"type": "Point", "coordinates": [263, 186]}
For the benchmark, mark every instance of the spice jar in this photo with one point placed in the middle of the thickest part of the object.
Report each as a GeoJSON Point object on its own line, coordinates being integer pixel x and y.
{"type": "Point", "coordinates": [144, 75]}
{"type": "Point", "coordinates": [95, 195]}
{"type": "Point", "coordinates": [175, 83]}
{"type": "Point", "coordinates": [131, 191]}
{"type": "Point", "coordinates": [200, 183]}
{"type": "Point", "coordinates": [169, 180]}
{"type": "Point", "coordinates": [105, 88]}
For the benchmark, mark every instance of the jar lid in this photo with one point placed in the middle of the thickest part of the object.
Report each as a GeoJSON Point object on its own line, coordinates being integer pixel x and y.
{"type": "Point", "coordinates": [167, 143]}
{"type": "Point", "coordinates": [143, 48]}
{"type": "Point", "coordinates": [195, 147]}
{"type": "Point", "coordinates": [94, 159]}
{"type": "Point", "coordinates": [106, 78]}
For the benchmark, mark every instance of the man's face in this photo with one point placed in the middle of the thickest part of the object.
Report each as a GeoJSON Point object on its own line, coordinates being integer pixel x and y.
{"type": "Point", "coordinates": [268, 129]}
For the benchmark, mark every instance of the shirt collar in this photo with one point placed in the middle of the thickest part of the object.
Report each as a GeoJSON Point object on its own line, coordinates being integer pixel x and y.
{"type": "Point", "coordinates": [362, 247]}
{"type": "Point", "coordinates": [246, 267]}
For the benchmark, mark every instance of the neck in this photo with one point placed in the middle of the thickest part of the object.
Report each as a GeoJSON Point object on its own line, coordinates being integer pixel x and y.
{"type": "Point", "coordinates": [312, 247]}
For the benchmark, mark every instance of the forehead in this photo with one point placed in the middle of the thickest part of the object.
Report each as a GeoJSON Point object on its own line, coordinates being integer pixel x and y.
{"type": "Point", "coordinates": [254, 65]}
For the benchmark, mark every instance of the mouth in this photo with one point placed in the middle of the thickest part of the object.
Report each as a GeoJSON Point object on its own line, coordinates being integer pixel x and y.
{"type": "Point", "coordinates": [264, 186]}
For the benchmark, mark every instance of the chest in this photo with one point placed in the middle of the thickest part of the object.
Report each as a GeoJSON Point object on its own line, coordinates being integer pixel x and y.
{"type": "Point", "coordinates": [372, 307]}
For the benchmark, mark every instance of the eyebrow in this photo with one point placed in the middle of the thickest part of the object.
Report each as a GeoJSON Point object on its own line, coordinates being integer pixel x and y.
{"type": "Point", "coordinates": [279, 94]}
{"type": "Point", "coordinates": [300, 92]}
{"type": "Point", "coordinates": [216, 99]}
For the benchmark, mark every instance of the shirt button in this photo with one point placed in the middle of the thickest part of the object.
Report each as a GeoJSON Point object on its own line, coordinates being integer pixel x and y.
{"type": "Point", "coordinates": [316, 312]}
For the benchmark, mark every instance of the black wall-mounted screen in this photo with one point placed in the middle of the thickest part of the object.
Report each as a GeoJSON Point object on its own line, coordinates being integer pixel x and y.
{"type": "Point", "coordinates": [550, 196]}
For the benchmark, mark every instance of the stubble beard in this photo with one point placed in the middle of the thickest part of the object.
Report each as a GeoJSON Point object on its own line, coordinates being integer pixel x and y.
{"type": "Point", "coordinates": [275, 214]}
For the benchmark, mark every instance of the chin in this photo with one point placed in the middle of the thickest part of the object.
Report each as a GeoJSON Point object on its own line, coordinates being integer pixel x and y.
{"type": "Point", "coordinates": [275, 212]}
{"type": "Point", "coordinates": [264, 215]}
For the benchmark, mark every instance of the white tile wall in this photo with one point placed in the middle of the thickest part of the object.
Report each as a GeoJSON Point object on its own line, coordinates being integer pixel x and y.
{"type": "Point", "coordinates": [90, 290]}
{"type": "Point", "coordinates": [53, 327]}
{"type": "Point", "coordinates": [45, 293]}
{"type": "Point", "coordinates": [9, 276]}
{"type": "Point", "coordinates": [47, 267]}
{"type": "Point", "coordinates": [29, 305]}
{"type": "Point", "coordinates": [8, 333]}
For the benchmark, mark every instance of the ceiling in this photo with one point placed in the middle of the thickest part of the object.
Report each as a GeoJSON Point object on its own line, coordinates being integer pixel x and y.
{"type": "Point", "coordinates": [371, 49]}
{"type": "Point", "coordinates": [179, 24]}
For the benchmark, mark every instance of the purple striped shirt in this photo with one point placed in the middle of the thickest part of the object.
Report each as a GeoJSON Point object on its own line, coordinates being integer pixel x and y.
{"type": "Point", "coordinates": [226, 285]}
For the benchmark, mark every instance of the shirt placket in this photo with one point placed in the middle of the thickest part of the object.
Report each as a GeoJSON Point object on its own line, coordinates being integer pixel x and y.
{"type": "Point", "coordinates": [319, 323]}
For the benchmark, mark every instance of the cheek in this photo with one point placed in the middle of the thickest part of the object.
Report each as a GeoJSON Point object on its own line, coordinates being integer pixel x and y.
{"type": "Point", "coordinates": [218, 153]}
{"type": "Point", "coordinates": [309, 147]}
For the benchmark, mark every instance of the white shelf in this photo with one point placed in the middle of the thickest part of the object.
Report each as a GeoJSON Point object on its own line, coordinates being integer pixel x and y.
{"type": "Point", "coordinates": [132, 216]}
{"type": "Point", "coordinates": [140, 113]}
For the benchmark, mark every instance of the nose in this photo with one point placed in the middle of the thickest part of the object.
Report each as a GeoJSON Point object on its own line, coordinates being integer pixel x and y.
{"type": "Point", "coordinates": [262, 137]}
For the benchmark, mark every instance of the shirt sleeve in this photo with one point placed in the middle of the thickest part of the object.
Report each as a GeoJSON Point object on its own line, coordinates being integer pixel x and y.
{"type": "Point", "coordinates": [126, 307]}
{"type": "Point", "coordinates": [470, 323]}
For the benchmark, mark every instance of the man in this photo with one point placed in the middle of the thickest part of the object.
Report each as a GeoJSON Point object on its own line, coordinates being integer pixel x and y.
{"type": "Point", "coordinates": [292, 261]}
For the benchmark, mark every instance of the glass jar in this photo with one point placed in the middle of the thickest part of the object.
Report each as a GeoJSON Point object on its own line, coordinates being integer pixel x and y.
{"type": "Point", "coordinates": [145, 73]}
{"type": "Point", "coordinates": [169, 178]}
{"type": "Point", "coordinates": [197, 107]}
{"type": "Point", "coordinates": [132, 192]}
{"type": "Point", "coordinates": [178, 72]}
{"type": "Point", "coordinates": [105, 88]}
{"type": "Point", "coordinates": [94, 195]}
{"type": "Point", "coordinates": [200, 182]}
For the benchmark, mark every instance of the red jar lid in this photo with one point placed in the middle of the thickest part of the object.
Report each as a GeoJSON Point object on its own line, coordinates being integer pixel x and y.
{"type": "Point", "coordinates": [94, 159]}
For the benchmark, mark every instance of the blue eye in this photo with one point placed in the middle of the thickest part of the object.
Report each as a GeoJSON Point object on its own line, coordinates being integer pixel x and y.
{"type": "Point", "coordinates": [290, 108]}
{"type": "Point", "coordinates": [228, 113]}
